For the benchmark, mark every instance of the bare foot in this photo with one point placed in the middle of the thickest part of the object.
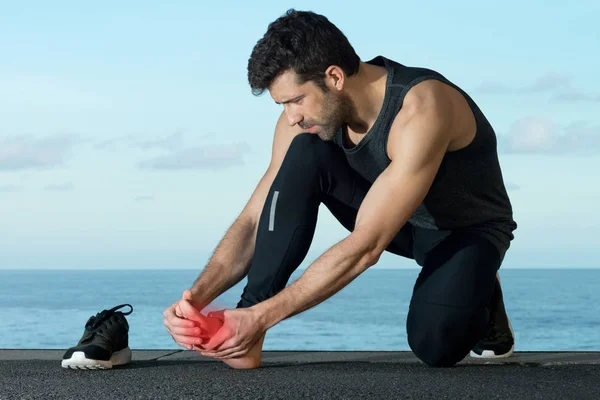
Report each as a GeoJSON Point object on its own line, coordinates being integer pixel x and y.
{"type": "Point", "coordinates": [250, 360]}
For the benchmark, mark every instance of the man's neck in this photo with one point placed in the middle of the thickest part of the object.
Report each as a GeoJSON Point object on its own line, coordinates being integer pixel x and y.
{"type": "Point", "coordinates": [367, 92]}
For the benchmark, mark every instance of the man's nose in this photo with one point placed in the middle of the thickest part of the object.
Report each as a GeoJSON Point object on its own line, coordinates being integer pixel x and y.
{"type": "Point", "coordinates": [293, 118]}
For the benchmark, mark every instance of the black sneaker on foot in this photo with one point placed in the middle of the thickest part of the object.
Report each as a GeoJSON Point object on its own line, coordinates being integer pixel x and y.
{"type": "Point", "coordinates": [499, 341]}
{"type": "Point", "coordinates": [104, 344]}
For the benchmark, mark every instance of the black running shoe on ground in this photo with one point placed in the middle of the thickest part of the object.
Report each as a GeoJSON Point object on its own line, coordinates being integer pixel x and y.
{"type": "Point", "coordinates": [104, 344]}
{"type": "Point", "coordinates": [499, 341]}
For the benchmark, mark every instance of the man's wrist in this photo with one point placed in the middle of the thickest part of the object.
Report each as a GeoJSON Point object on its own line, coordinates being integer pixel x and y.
{"type": "Point", "coordinates": [267, 315]}
{"type": "Point", "coordinates": [199, 298]}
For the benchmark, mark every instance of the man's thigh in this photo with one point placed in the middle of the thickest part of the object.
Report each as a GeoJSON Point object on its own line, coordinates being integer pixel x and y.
{"type": "Point", "coordinates": [448, 311]}
{"type": "Point", "coordinates": [459, 270]}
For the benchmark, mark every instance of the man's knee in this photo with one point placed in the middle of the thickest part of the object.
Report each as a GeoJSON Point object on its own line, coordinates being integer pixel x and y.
{"type": "Point", "coordinates": [306, 147]}
{"type": "Point", "coordinates": [441, 336]}
{"type": "Point", "coordinates": [304, 144]}
{"type": "Point", "coordinates": [301, 166]}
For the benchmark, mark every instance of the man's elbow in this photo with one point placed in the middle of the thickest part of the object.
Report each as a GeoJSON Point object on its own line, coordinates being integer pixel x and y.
{"type": "Point", "coordinates": [370, 250]}
{"type": "Point", "coordinates": [366, 259]}
{"type": "Point", "coordinates": [372, 258]}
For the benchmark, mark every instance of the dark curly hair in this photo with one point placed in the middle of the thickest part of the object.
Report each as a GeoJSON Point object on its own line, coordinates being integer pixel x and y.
{"type": "Point", "coordinates": [303, 41]}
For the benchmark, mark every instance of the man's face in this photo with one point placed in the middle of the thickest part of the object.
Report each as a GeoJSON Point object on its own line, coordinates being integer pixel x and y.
{"type": "Point", "coordinates": [309, 107]}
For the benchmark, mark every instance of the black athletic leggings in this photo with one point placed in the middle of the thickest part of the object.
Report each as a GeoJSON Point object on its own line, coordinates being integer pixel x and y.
{"type": "Point", "coordinates": [447, 314]}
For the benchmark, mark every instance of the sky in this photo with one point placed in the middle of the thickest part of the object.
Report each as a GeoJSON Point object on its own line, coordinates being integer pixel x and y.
{"type": "Point", "coordinates": [101, 102]}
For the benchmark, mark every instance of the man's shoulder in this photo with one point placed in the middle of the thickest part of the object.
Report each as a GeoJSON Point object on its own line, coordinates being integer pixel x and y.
{"type": "Point", "coordinates": [428, 102]}
{"type": "Point", "coordinates": [426, 95]}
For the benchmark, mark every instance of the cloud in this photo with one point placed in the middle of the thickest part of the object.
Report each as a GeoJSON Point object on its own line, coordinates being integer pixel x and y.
{"type": "Point", "coordinates": [10, 188]}
{"type": "Point", "coordinates": [542, 136]}
{"type": "Point", "coordinates": [493, 88]}
{"type": "Point", "coordinates": [548, 83]}
{"type": "Point", "coordinates": [63, 187]}
{"type": "Point", "coordinates": [178, 157]}
{"type": "Point", "coordinates": [21, 152]}
{"type": "Point", "coordinates": [144, 198]}
{"type": "Point", "coordinates": [574, 95]}
{"type": "Point", "coordinates": [203, 157]}
{"type": "Point", "coordinates": [112, 143]}
{"type": "Point", "coordinates": [558, 85]}
{"type": "Point", "coordinates": [581, 136]}
{"type": "Point", "coordinates": [532, 135]}
{"type": "Point", "coordinates": [170, 143]}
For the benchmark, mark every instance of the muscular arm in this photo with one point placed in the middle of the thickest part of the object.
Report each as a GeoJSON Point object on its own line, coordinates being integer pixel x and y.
{"type": "Point", "coordinates": [423, 132]}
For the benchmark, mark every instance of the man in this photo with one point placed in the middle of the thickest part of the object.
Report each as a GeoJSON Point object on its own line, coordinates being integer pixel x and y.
{"type": "Point", "coordinates": [404, 159]}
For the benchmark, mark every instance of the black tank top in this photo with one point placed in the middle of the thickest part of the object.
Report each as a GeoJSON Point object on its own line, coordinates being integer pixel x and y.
{"type": "Point", "coordinates": [468, 192]}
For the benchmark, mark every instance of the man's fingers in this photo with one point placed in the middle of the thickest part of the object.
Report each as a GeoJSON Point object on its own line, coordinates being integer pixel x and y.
{"type": "Point", "coordinates": [188, 311]}
{"type": "Point", "coordinates": [182, 328]}
{"type": "Point", "coordinates": [172, 320]}
{"type": "Point", "coordinates": [177, 309]}
{"type": "Point", "coordinates": [180, 322]}
{"type": "Point", "coordinates": [184, 332]}
{"type": "Point", "coordinates": [228, 346]}
{"type": "Point", "coordinates": [235, 355]}
{"type": "Point", "coordinates": [187, 346]}
{"type": "Point", "coordinates": [169, 311]}
{"type": "Point", "coordinates": [218, 314]}
{"type": "Point", "coordinates": [176, 340]}
{"type": "Point", "coordinates": [186, 340]}
{"type": "Point", "coordinates": [173, 312]}
{"type": "Point", "coordinates": [232, 352]}
{"type": "Point", "coordinates": [228, 351]}
{"type": "Point", "coordinates": [218, 338]}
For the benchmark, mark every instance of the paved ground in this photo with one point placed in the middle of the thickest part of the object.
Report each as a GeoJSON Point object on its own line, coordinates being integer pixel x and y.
{"type": "Point", "coordinates": [36, 374]}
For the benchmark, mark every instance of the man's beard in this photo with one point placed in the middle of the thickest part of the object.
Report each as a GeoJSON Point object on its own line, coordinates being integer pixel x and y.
{"type": "Point", "coordinates": [336, 111]}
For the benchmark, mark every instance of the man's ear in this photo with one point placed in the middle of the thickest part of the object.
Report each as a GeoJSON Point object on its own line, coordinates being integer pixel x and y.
{"type": "Point", "coordinates": [335, 78]}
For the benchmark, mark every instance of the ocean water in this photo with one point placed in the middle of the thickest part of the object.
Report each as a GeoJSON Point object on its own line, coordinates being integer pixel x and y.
{"type": "Point", "coordinates": [550, 309]}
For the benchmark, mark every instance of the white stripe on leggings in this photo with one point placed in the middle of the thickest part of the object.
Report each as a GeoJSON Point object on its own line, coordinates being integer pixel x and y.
{"type": "Point", "coordinates": [272, 214]}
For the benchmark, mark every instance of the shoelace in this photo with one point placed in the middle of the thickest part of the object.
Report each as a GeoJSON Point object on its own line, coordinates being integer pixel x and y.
{"type": "Point", "coordinates": [97, 320]}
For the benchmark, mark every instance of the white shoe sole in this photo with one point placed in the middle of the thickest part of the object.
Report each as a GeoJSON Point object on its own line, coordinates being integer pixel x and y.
{"type": "Point", "coordinates": [490, 353]}
{"type": "Point", "coordinates": [79, 361]}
